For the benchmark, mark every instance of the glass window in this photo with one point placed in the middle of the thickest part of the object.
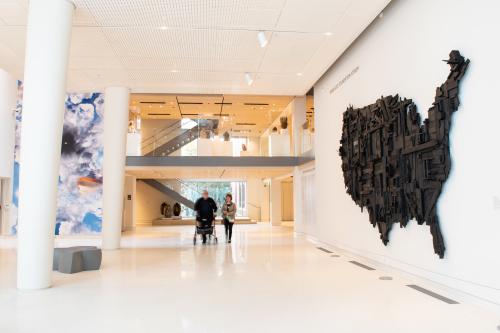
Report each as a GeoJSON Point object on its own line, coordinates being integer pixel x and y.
{"type": "Point", "coordinates": [217, 191]}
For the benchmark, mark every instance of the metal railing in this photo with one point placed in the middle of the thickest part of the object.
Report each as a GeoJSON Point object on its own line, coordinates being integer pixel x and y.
{"type": "Point", "coordinates": [160, 137]}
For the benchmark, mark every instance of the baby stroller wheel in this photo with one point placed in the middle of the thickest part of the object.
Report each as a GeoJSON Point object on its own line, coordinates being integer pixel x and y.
{"type": "Point", "coordinates": [194, 240]}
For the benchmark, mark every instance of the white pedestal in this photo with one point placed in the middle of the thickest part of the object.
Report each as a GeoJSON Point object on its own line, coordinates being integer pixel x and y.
{"type": "Point", "coordinates": [222, 148]}
{"type": "Point", "coordinates": [204, 147]}
{"type": "Point", "coordinates": [279, 144]}
{"type": "Point", "coordinates": [134, 144]}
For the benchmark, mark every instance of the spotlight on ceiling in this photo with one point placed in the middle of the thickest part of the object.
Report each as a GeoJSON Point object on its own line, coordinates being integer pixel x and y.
{"type": "Point", "coordinates": [249, 79]}
{"type": "Point", "coordinates": [261, 36]}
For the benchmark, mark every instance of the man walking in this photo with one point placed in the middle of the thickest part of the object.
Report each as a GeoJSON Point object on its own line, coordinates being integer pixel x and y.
{"type": "Point", "coordinates": [205, 208]}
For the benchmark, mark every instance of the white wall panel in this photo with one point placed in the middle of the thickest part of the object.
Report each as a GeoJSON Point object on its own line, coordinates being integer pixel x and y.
{"type": "Point", "coordinates": [401, 53]}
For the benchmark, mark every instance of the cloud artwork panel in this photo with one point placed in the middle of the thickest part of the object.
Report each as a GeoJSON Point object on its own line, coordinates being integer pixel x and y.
{"type": "Point", "coordinates": [79, 204]}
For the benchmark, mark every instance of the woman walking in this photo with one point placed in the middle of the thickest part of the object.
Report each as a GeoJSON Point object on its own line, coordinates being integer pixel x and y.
{"type": "Point", "coordinates": [228, 215]}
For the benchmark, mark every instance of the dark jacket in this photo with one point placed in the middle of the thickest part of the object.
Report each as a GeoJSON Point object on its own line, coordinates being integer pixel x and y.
{"type": "Point", "coordinates": [205, 209]}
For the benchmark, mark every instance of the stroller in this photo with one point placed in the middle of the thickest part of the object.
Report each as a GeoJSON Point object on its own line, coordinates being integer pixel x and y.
{"type": "Point", "coordinates": [205, 227]}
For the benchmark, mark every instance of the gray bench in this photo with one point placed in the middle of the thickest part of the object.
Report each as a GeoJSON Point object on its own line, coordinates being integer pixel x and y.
{"type": "Point", "coordinates": [71, 260]}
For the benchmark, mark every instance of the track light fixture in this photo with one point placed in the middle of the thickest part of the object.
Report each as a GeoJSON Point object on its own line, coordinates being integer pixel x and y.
{"type": "Point", "coordinates": [261, 36]}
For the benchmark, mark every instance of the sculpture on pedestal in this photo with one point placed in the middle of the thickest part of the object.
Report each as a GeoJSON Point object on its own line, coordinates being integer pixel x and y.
{"type": "Point", "coordinates": [177, 209]}
{"type": "Point", "coordinates": [284, 123]}
{"type": "Point", "coordinates": [166, 210]}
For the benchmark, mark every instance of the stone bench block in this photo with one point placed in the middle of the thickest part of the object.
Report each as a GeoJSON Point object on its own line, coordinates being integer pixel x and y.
{"type": "Point", "coordinates": [71, 260]}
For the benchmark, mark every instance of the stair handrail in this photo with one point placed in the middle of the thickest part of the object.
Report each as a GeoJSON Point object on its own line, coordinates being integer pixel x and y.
{"type": "Point", "coordinates": [160, 141]}
{"type": "Point", "coordinates": [151, 140]}
{"type": "Point", "coordinates": [156, 132]}
{"type": "Point", "coordinates": [192, 134]}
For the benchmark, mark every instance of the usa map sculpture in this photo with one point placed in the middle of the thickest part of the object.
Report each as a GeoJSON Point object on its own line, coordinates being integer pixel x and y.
{"type": "Point", "coordinates": [395, 165]}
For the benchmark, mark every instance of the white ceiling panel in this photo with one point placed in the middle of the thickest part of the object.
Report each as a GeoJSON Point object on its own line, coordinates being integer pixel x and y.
{"type": "Point", "coordinates": [90, 42]}
{"type": "Point", "coordinates": [191, 64]}
{"type": "Point", "coordinates": [290, 52]}
{"type": "Point", "coordinates": [175, 43]}
{"type": "Point", "coordinates": [79, 79]}
{"type": "Point", "coordinates": [108, 77]}
{"type": "Point", "coordinates": [198, 46]}
{"type": "Point", "coordinates": [13, 12]}
{"type": "Point", "coordinates": [251, 14]}
{"type": "Point", "coordinates": [13, 38]}
{"type": "Point", "coordinates": [10, 60]}
{"type": "Point", "coordinates": [95, 62]}
{"type": "Point", "coordinates": [317, 16]}
{"type": "Point", "coordinates": [83, 17]}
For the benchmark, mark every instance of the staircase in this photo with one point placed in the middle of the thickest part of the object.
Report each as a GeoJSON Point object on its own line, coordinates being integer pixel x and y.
{"type": "Point", "coordinates": [176, 143]}
{"type": "Point", "coordinates": [174, 195]}
{"type": "Point", "coordinates": [174, 137]}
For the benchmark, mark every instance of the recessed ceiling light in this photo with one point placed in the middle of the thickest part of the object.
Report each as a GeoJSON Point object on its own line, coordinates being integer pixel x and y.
{"type": "Point", "coordinates": [299, 74]}
{"type": "Point", "coordinates": [261, 36]}
{"type": "Point", "coordinates": [163, 27]}
{"type": "Point", "coordinates": [328, 33]}
{"type": "Point", "coordinates": [249, 79]}
{"type": "Point", "coordinates": [174, 71]}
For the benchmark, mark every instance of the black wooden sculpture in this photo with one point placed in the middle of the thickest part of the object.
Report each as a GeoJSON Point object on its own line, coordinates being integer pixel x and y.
{"type": "Point", "coordinates": [395, 165]}
{"type": "Point", "coordinates": [177, 209]}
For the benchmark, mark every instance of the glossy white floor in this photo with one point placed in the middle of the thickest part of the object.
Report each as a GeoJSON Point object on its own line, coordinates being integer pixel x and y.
{"type": "Point", "coordinates": [267, 280]}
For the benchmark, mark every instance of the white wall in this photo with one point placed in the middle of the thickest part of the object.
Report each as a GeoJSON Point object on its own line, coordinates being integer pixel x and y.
{"type": "Point", "coordinates": [304, 199]}
{"type": "Point", "coordinates": [275, 202]}
{"type": "Point", "coordinates": [253, 146]}
{"type": "Point", "coordinates": [148, 203]}
{"type": "Point", "coordinates": [255, 189]}
{"type": "Point", "coordinates": [401, 53]}
{"type": "Point", "coordinates": [134, 144]}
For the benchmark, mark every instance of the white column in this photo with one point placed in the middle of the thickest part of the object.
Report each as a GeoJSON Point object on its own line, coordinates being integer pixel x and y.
{"type": "Point", "coordinates": [8, 97]}
{"type": "Point", "coordinates": [116, 110]}
{"type": "Point", "coordinates": [276, 202]}
{"type": "Point", "coordinates": [47, 51]}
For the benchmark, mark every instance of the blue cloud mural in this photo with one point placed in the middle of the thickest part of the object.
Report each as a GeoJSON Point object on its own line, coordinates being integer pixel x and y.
{"type": "Point", "coordinates": [79, 206]}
